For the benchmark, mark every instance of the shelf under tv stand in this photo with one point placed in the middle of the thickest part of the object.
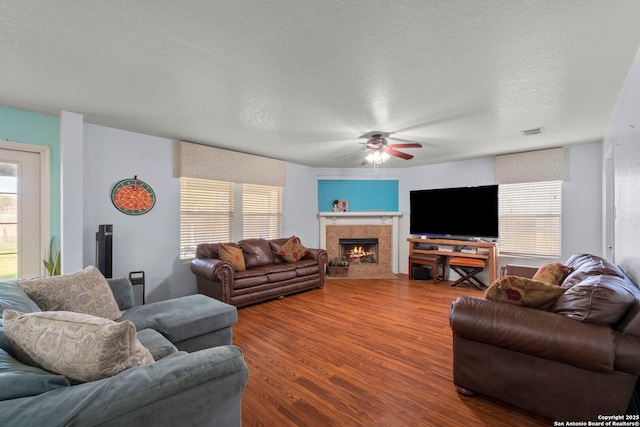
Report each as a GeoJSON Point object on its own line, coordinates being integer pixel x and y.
{"type": "Point", "coordinates": [491, 256]}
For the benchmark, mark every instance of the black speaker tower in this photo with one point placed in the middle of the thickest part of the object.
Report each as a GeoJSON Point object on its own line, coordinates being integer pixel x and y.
{"type": "Point", "coordinates": [104, 249]}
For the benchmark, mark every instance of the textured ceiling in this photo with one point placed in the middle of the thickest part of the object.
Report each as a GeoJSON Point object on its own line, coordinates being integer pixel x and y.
{"type": "Point", "coordinates": [301, 81]}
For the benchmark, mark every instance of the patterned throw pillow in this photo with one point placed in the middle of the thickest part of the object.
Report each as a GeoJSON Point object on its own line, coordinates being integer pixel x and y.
{"type": "Point", "coordinates": [523, 291]}
{"type": "Point", "coordinates": [86, 291]}
{"type": "Point", "coordinates": [232, 255]}
{"type": "Point", "coordinates": [552, 272]}
{"type": "Point", "coordinates": [79, 346]}
{"type": "Point", "coordinates": [293, 251]}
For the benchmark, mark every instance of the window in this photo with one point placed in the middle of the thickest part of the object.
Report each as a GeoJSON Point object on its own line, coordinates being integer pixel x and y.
{"type": "Point", "coordinates": [531, 219]}
{"type": "Point", "coordinates": [206, 213]}
{"type": "Point", "coordinates": [207, 210]}
{"type": "Point", "coordinates": [261, 211]}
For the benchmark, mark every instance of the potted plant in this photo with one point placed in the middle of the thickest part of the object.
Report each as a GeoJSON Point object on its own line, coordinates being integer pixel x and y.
{"type": "Point", "coordinates": [52, 264]}
{"type": "Point", "coordinates": [337, 267]}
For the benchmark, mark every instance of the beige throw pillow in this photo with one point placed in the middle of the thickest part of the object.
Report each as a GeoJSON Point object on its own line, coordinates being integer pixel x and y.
{"type": "Point", "coordinates": [79, 346]}
{"type": "Point", "coordinates": [293, 250]}
{"type": "Point", "coordinates": [523, 291]}
{"type": "Point", "coordinates": [86, 291]}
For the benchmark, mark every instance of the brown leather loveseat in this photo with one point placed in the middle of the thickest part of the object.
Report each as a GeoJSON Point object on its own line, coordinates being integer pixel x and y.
{"type": "Point", "coordinates": [266, 274]}
{"type": "Point", "coordinates": [578, 359]}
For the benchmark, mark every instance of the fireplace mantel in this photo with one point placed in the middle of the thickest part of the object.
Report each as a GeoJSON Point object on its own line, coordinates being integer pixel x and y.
{"type": "Point", "coordinates": [363, 218]}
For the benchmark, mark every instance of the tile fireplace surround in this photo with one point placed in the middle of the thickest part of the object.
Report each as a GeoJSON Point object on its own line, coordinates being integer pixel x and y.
{"type": "Point", "coordinates": [381, 225]}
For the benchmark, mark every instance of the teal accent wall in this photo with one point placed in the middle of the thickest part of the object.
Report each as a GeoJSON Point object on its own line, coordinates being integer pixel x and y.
{"type": "Point", "coordinates": [37, 129]}
{"type": "Point", "coordinates": [362, 195]}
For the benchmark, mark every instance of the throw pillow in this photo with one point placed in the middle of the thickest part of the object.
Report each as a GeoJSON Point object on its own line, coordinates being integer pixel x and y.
{"type": "Point", "coordinates": [86, 291]}
{"type": "Point", "coordinates": [20, 380]}
{"type": "Point", "coordinates": [552, 272]}
{"type": "Point", "coordinates": [232, 255]}
{"type": "Point", "coordinates": [79, 346]}
{"type": "Point", "coordinates": [293, 250]}
{"type": "Point", "coordinates": [523, 291]}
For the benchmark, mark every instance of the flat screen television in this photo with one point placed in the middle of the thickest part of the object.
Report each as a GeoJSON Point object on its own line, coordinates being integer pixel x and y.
{"type": "Point", "coordinates": [463, 212]}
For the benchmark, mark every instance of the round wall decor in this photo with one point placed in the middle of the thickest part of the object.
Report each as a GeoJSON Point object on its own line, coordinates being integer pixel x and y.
{"type": "Point", "coordinates": [133, 196]}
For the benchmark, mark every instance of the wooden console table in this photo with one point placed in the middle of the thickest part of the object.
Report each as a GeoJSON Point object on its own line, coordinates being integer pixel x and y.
{"type": "Point", "coordinates": [491, 256]}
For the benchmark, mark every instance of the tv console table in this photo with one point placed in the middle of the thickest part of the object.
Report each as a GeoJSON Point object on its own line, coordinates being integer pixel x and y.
{"type": "Point", "coordinates": [429, 246]}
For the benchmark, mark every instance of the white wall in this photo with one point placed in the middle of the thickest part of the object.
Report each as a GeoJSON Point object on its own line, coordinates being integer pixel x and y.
{"type": "Point", "coordinates": [148, 242]}
{"type": "Point", "coordinates": [300, 205]}
{"type": "Point", "coordinates": [582, 201]}
{"type": "Point", "coordinates": [623, 134]}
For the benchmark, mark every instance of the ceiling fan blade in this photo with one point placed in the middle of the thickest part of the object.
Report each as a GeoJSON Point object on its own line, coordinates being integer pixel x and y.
{"type": "Point", "coordinates": [399, 154]}
{"type": "Point", "coordinates": [352, 154]}
{"type": "Point", "coordinates": [364, 162]}
{"type": "Point", "coordinates": [412, 145]}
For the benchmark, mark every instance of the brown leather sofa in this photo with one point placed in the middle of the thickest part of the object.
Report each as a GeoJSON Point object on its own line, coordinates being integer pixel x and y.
{"type": "Point", "coordinates": [267, 275]}
{"type": "Point", "coordinates": [577, 361]}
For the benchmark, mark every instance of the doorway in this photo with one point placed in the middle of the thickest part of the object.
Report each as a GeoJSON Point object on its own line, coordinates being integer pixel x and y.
{"type": "Point", "coordinates": [24, 209]}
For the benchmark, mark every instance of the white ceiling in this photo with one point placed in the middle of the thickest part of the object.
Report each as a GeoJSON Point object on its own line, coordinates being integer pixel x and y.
{"type": "Point", "coordinates": [302, 80]}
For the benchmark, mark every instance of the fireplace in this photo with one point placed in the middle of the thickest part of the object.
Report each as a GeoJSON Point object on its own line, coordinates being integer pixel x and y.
{"type": "Point", "coordinates": [354, 225]}
{"type": "Point", "coordinates": [359, 250]}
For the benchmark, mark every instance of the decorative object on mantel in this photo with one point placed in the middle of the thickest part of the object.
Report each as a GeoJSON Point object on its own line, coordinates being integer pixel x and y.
{"type": "Point", "coordinates": [340, 206]}
{"type": "Point", "coordinates": [133, 196]}
{"type": "Point", "coordinates": [337, 267]}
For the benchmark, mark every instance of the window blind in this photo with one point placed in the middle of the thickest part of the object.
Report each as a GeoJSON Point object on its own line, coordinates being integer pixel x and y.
{"type": "Point", "coordinates": [531, 219]}
{"type": "Point", "coordinates": [206, 213]}
{"type": "Point", "coordinates": [261, 211]}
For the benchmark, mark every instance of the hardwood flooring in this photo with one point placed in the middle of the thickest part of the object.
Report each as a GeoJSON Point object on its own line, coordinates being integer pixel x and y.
{"type": "Point", "coordinates": [360, 352]}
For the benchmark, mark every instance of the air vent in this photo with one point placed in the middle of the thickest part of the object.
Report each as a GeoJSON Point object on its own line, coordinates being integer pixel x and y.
{"type": "Point", "coordinates": [531, 132]}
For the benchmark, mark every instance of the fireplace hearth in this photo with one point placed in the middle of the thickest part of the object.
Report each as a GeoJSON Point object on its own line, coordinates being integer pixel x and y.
{"type": "Point", "coordinates": [359, 250]}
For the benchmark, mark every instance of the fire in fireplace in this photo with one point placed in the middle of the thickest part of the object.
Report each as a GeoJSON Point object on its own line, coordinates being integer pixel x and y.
{"type": "Point", "coordinates": [359, 251]}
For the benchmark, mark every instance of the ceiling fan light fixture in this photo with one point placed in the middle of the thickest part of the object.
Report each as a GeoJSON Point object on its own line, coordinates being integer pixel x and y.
{"type": "Point", "coordinates": [377, 156]}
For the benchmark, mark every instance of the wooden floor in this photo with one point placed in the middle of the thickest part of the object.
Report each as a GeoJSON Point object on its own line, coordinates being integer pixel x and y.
{"type": "Point", "coordinates": [360, 352]}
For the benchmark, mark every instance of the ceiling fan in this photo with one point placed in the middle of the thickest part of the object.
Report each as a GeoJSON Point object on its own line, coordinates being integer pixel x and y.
{"type": "Point", "coordinates": [380, 150]}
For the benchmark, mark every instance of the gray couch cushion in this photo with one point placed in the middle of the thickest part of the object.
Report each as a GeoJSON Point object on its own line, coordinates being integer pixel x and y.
{"type": "Point", "coordinates": [12, 296]}
{"type": "Point", "coordinates": [20, 380]}
{"type": "Point", "coordinates": [182, 318]}
{"type": "Point", "coordinates": [156, 343]}
{"type": "Point", "coordinates": [122, 292]}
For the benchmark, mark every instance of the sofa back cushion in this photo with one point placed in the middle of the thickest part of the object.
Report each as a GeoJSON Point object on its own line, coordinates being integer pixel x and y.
{"type": "Point", "coordinates": [598, 299]}
{"type": "Point", "coordinates": [257, 252]}
{"type": "Point", "coordinates": [122, 292]}
{"type": "Point", "coordinates": [585, 265]}
{"type": "Point", "coordinates": [13, 297]}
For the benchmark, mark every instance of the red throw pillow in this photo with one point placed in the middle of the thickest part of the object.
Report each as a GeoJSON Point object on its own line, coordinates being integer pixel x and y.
{"type": "Point", "coordinates": [523, 291]}
{"type": "Point", "coordinates": [293, 250]}
{"type": "Point", "coordinates": [552, 272]}
{"type": "Point", "coordinates": [232, 255]}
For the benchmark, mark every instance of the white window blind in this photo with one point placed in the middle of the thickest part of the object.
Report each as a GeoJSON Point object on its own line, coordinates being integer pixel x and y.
{"type": "Point", "coordinates": [261, 211]}
{"type": "Point", "coordinates": [531, 219]}
{"type": "Point", "coordinates": [206, 213]}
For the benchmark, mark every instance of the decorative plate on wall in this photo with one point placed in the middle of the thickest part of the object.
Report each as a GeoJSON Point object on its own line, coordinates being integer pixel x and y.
{"type": "Point", "coordinates": [133, 196]}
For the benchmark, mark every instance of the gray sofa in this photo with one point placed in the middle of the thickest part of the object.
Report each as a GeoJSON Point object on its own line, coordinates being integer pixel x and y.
{"type": "Point", "coordinates": [200, 388]}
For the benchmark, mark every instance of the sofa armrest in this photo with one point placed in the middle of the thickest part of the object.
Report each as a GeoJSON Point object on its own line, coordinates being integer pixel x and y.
{"type": "Point", "coordinates": [518, 270]}
{"type": "Point", "coordinates": [212, 269]}
{"type": "Point", "coordinates": [204, 388]}
{"type": "Point", "coordinates": [319, 255]}
{"type": "Point", "coordinates": [538, 333]}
